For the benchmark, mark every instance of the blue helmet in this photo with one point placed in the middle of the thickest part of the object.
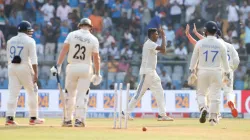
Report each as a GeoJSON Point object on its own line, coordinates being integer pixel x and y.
{"type": "Point", "coordinates": [24, 26]}
{"type": "Point", "coordinates": [211, 27]}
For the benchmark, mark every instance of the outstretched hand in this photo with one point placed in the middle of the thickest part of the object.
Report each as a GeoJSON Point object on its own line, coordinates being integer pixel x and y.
{"type": "Point", "coordinates": [195, 30]}
{"type": "Point", "coordinates": [161, 31]}
{"type": "Point", "coordinates": [187, 29]}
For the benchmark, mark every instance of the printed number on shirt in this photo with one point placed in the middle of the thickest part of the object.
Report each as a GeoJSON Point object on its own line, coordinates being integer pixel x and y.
{"type": "Point", "coordinates": [213, 52]}
{"type": "Point", "coordinates": [80, 53]}
{"type": "Point", "coordinates": [15, 51]}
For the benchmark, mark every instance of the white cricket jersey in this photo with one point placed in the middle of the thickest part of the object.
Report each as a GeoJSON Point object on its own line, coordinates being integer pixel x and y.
{"type": "Point", "coordinates": [232, 55]}
{"type": "Point", "coordinates": [211, 54]}
{"type": "Point", "coordinates": [24, 46]}
{"type": "Point", "coordinates": [82, 45]}
{"type": "Point", "coordinates": [149, 57]}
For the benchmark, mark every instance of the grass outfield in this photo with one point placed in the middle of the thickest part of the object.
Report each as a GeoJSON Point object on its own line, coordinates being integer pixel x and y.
{"type": "Point", "coordinates": [101, 129]}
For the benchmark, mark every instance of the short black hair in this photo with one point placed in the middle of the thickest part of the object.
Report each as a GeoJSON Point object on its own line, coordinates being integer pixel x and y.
{"type": "Point", "coordinates": [151, 31]}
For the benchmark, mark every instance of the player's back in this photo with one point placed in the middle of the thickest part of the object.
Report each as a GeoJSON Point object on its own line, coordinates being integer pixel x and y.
{"type": "Point", "coordinates": [230, 50]}
{"type": "Point", "coordinates": [24, 46]}
{"type": "Point", "coordinates": [149, 57]}
{"type": "Point", "coordinates": [82, 45]}
{"type": "Point", "coordinates": [210, 53]}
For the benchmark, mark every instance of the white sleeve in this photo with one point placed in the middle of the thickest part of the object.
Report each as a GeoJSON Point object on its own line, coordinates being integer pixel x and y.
{"type": "Point", "coordinates": [195, 57]}
{"type": "Point", "coordinates": [153, 46]}
{"type": "Point", "coordinates": [235, 57]}
{"type": "Point", "coordinates": [224, 58]}
{"type": "Point", "coordinates": [32, 52]}
{"type": "Point", "coordinates": [96, 46]}
{"type": "Point", "coordinates": [68, 38]}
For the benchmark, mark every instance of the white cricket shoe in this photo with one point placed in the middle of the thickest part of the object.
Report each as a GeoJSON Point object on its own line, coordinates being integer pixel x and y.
{"type": "Point", "coordinates": [203, 115]}
{"type": "Point", "coordinates": [129, 117]}
{"type": "Point", "coordinates": [213, 122]}
{"type": "Point", "coordinates": [164, 118]}
{"type": "Point", "coordinates": [36, 121]}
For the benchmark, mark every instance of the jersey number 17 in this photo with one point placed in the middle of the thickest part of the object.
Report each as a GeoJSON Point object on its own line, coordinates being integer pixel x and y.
{"type": "Point", "coordinates": [82, 49]}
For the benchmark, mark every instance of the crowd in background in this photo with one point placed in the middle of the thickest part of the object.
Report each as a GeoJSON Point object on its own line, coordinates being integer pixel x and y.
{"type": "Point", "coordinates": [121, 28]}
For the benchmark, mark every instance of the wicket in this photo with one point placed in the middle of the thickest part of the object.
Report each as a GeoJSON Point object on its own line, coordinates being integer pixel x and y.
{"type": "Point", "coordinates": [119, 100]}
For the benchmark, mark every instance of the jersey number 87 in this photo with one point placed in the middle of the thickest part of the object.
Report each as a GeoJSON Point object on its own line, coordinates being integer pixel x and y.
{"type": "Point", "coordinates": [81, 56]}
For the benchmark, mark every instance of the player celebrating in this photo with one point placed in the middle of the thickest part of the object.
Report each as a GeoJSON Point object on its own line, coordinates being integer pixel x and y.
{"type": "Point", "coordinates": [211, 53]}
{"type": "Point", "coordinates": [22, 71]}
{"type": "Point", "coordinates": [149, 77]}
{"type": "Point", "coordinates": [234, 61]}
{"type": "Point", "coordinates": [81, 46]}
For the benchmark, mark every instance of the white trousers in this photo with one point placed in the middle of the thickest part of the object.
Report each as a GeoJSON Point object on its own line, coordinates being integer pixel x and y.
{"type": "Point", "coordinates": [22, 75]}
{"type": "Point", "coordinates": [209, 82]}
{"type": "Point", "coordinates": [153, 82]}
{"type": "Point", "coordinates": [228, 91]}
{"type": "Point", "coordinates": [78, 78]}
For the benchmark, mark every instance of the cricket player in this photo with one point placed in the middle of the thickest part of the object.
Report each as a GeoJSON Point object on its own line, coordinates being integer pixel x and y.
{"type": "Point", "coordinates": [234, 61]}
{"type": "Point", "coordinates": [22, 71]}
{"type": "Point", "coordinates": [149, 77]}
{"type": "Point", "coordinates": [81, 46]}
{"type": "Point", "coordinates": [211, 54]}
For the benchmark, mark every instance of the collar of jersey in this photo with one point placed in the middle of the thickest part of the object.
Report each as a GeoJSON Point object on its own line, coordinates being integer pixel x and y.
{"type": "Point", "coordinates": [22, 34]}
{"type": "Point", "coordinates": [211, 36]}
{"type": "Point", "coordinates": [151, 40]}
{"type": "Point", "coordinates": [83, 30]}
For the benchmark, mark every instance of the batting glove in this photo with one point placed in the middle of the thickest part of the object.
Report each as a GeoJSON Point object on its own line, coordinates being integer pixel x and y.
{"type": "Point", "coordinates": [56, 70]}
{"type": "Point", "coordinates": [96, 79]}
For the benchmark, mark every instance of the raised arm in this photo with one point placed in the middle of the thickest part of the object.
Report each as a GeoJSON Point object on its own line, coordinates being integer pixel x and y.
{"type": "Point", "coordinates": [190, 38]}
{"type": "Point", "coordinates": [196, 33]}
{"type": "Point", "coordinates": [162, 48]}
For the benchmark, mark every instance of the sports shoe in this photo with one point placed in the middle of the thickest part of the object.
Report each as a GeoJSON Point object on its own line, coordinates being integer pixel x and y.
{"type": "Point", "coordinates": [164, 118]}
{"type": "Point", "coordinates": [233, 109]}
{"type": "Point", "coordinates": [67, 124]}
{"type": "Point", "coordinates": [36, 121]}
{"type": "Point", "coordinates": [219, 116]}
{"type": "Point", "coordinates": [203, 115]}
{"type": "Point", "coordinates": [79, 123]}
{"type": "Point", "coordinates": [213, 122]}
{"type": "Point", "coordinates": [129, 117]}
{"type": "Point", "coordinates": [11, 123]}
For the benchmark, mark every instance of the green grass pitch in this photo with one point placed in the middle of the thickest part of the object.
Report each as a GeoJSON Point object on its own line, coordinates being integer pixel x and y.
{"type": "Point", "coordinates": [101, 129]}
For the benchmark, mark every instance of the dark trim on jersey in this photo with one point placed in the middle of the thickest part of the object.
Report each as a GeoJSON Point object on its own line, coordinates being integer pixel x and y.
{"type": "Point", "coordinates": [140, 87]}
